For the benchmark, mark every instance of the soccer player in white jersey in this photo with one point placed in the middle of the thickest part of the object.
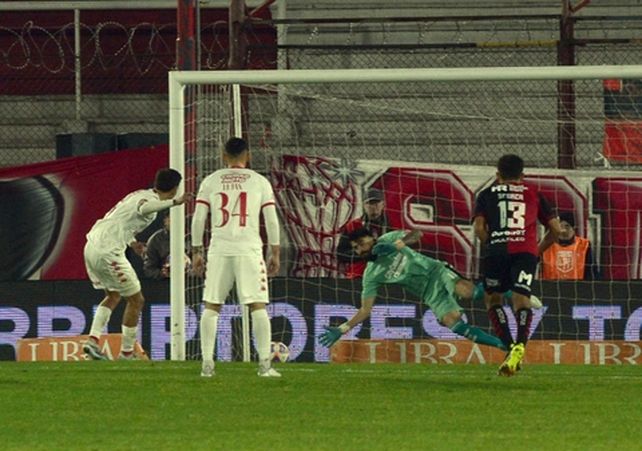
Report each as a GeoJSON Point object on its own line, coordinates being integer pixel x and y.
{"type": "Point", "coordinates": [235, 197]}
{"type": "Point", "coordinates": [107, 267]}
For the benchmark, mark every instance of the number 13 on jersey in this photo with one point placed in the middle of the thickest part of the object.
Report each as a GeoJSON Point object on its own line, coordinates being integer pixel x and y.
{"type": "Point", "coordinates": [511, 214]}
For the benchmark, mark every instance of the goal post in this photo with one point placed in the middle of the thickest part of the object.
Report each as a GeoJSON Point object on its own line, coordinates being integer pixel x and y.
{"type": "Point", "coordinates": [342, 129]}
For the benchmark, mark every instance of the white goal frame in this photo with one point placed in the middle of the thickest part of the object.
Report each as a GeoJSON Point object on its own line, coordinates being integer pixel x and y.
{"type": "Point", "coordinates": [179, 79]}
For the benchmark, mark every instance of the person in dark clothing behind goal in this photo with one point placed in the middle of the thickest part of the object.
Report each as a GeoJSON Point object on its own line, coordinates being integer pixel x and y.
{"type": "Point", "coordinates": [374, 219]}
{"type": "Point", "coordinates": [505, 220]}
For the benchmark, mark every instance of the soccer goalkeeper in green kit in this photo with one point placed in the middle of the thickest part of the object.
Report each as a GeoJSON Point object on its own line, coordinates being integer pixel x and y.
{"type": "Point", "coordinates": [391, 261]}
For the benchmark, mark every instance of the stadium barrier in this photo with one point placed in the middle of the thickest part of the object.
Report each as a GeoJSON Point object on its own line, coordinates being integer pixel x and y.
{"type": "Point", "coordinates": [549, 352]}
{"type": "Point", "coordinates": [574, 312]}
{"type": "Point", "coordinates": [69, 348]}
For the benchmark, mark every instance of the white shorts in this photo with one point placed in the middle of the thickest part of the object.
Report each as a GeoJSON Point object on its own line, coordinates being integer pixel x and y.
{"type": "Point", "coordinates": [249, 273]}
{"type": "Point", "coordinates": [110, 271]}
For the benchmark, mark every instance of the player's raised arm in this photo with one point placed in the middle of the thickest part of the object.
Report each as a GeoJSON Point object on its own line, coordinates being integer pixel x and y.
{"type": "Point", "coordinates": [332, 334]}
{"type": "Point", "coordinates": [154, 206]}
{"type": "Point", "coordinates": [165, 187]}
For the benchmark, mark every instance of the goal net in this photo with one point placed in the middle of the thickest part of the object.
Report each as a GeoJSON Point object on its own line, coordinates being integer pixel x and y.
{"type": "Point", "coordinates": [428, 140]}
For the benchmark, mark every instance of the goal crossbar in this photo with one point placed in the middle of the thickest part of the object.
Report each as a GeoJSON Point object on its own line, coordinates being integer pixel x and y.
{"type": "Point", "coordinates": [405, 75]}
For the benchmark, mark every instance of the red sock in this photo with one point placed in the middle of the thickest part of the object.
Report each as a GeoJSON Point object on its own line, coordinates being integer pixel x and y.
{"type": "Point", "coordinates": [498, 319]}
{"type": "Point", "coordinates": [524, 317]}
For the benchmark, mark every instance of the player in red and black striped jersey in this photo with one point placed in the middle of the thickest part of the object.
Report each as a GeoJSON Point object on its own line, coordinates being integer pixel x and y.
{"type": "Point", "coordinates": [505, 220]}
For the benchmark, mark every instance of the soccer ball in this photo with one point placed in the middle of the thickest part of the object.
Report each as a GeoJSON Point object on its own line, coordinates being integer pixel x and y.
{"type": "Point", "coordinates": [279, 352]}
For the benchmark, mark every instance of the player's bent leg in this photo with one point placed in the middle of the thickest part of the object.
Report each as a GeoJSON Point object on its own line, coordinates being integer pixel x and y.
{"type": "Point", "coordinates": [454, 322]}
{"type": "Point", "coordinates": [465, 289]}
{"type": "Point", "coordinates": [92, 350]}
{"type": "Point", "coordinates": [209, 326]}
{"type": "Point", "coordinates": [91, 347]}
{"type": "Point", "coordinates": [135, 304]}
{"type": "Point", "coordinates": [103, 313]}
{"type": "Point", "coordinates": [498, 319]}
{"type": "Point", "coordinates": [535, 302]}
{"type": "Point", "coordinates": [263, 335]}
{"type": "Point", "coordinates": [523, 316]}
{"type": "Point", "coordinates": [513, 361]}
{"type": "Point", "coordinates": [207, 368]}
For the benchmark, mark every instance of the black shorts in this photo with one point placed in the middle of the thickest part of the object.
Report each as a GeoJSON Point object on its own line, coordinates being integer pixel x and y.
{"type": "Point", "coordinates": [509, 272]}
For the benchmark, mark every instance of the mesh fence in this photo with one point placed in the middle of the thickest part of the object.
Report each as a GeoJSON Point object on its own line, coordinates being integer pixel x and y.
{"type": "Point", "coordinates": [124, 64]}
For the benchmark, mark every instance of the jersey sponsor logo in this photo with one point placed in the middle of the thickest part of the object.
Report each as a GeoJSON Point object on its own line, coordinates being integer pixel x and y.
{"type": "Point", "coordinates": [507, 233]}
{"type": "Point", "coordinates": [234, 178]}
{"type": "Point", "coordinates": [508, 187]}
{"type": "Point", "coordinates": [397, 267]}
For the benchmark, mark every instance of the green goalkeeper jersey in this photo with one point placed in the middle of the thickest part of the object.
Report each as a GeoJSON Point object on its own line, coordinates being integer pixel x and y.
{"type": "Point", "coordinates": [432, 280]}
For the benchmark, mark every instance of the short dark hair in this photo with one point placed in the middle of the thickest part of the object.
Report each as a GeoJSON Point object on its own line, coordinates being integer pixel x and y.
{"type": "Point", "coordinates": [567, 216]}
{"type": "Point", "coordinates": [359, 233]}
{"type": "Point", "coordinates": [167, 179]}
{"type": "Point", "coordinates": [235, 146]}
{"type": "Point", "coordinates": [510, 166]}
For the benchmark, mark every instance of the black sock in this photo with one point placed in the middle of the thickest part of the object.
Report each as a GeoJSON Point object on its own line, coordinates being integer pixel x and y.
{"type": "Point", "coordinates": [524, 317]}
{"type": "Point", "coordinates": [498, 319]}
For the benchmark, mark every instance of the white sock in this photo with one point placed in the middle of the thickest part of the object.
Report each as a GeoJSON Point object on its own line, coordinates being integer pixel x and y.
{"type": "Point", "coordinates": [209, 323]}
{"type": "Point", "coordinates": [262, 333]}
{"type": "Point", "coordinates": [129, 338]}
{"type": "Point", "coordinates": [101, 318]}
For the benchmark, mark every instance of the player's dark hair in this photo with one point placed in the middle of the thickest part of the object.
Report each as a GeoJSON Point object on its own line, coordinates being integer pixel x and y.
{"type": "Point", "coordinates": [235, 147]}
{"type": "Point", "coordinates": [567, 216]}
{"type": "Point", "coordinates": [510, 167]}
{"type": "Point", "coordinates": [167, 179]}
{"type": "Point", "coordinates": [359, 233]}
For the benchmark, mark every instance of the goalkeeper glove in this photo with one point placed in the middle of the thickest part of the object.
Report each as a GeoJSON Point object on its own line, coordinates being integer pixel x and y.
{"type": "Point", "coordinates": [383, 249]}
{"type": "Point", "coordinates": [330, 336]}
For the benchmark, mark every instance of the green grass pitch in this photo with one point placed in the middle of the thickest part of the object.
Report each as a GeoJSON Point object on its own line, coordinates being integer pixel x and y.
{"type": "Point", "coordinates": [168, 406]}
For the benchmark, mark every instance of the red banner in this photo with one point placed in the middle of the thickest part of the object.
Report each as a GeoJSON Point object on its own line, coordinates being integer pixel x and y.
{"type": "Point", "coordinates": [623, 141]}
{"type": "Point", "coordinates": [623, 124]}
{"type": "Point", "coordinates": [48, 208]}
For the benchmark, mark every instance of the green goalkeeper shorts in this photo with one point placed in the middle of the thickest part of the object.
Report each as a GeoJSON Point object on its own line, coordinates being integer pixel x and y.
{"type": "Point", "coordinates": [440, 292]}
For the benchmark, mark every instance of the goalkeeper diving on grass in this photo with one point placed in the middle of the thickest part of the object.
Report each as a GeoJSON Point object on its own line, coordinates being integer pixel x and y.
{"type": "Point", "coordinates": [391, 261]}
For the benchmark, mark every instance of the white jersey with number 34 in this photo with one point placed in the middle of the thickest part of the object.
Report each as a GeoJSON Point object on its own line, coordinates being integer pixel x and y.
{"type": "Point", "coordinates": [235, 198]}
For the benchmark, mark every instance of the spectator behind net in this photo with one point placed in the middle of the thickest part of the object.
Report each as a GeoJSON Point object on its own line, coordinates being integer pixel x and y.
{"type": "Point", "coordinates": [156, 258]}
{"type": "Point", "coordinates": [374, 219]}
{"type": "Point", "coordinates": [571, 257]}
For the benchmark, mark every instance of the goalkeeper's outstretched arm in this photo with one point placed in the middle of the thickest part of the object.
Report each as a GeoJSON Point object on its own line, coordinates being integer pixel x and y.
{"type": "Point", "coordinates": [332, 334]}
{"type": "Point", "coordinates": [387, 248]}
{"type": "Point", "coordinates": [362, 314]}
